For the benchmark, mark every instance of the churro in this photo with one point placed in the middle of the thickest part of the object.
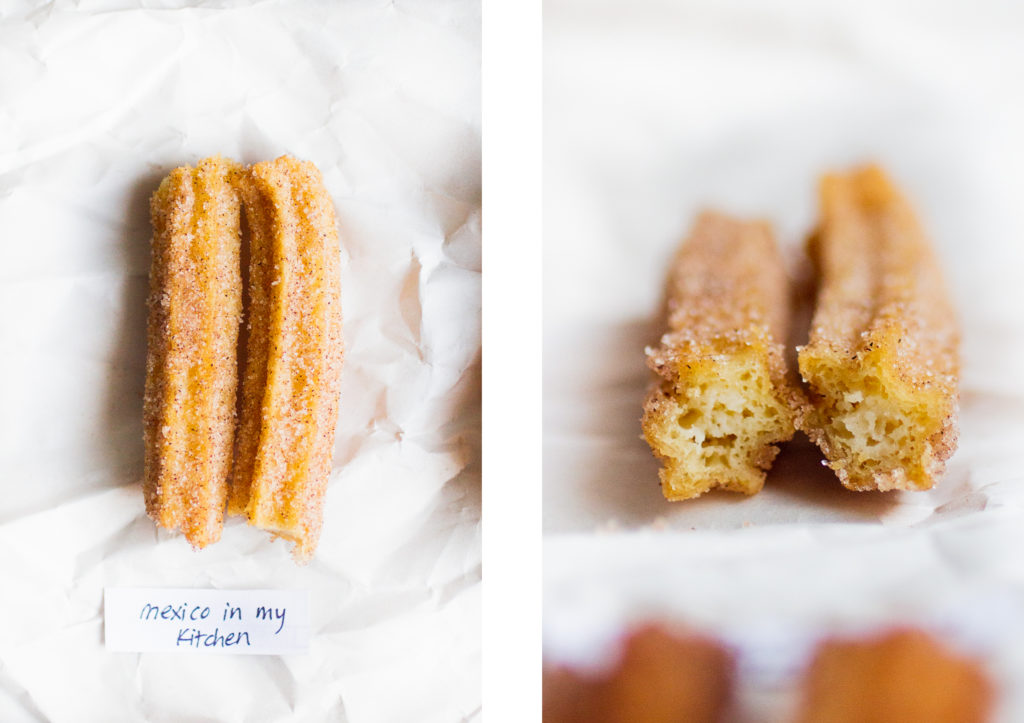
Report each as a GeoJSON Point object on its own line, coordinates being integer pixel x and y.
{"type": "Point", "coordinates": [661, 677]}
{"type": "Point", "coordinates": [722, 399]}
{"type": "Point", "coordinates": [191, 370]}
{"type": "Point", "coordinates": [291, 376]}
{"type": "Point", "coordinates": [881, 361]}
{"type": "Point", "coordinates": [896, 677]}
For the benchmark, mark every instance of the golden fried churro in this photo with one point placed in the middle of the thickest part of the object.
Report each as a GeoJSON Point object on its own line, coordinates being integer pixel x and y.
{"type": "Point", "coordinates": [661, 678]}
{"type": "Point", "coordinates": [293, 358]}
{"type": "Point", "coordinates": [722, 399]}
{"type": "Point", "coordinates": [897, 677]}
{"type": "Point", "coordinates": [881, 361]}
{"type": "Point", "coordinates": [191, 372]}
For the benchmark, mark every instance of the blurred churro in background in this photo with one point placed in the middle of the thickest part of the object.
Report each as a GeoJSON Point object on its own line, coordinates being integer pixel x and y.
{"type": "Point", "coordinates": [894, 677]}
{"type": "Point", "coordinates": [660, 677]}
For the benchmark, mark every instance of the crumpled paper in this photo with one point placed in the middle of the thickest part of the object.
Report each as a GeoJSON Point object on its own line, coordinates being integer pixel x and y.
{"type": "Point", "coordinates": [654, 110]}
{"type": "Point", "coordinates": [100, 100]}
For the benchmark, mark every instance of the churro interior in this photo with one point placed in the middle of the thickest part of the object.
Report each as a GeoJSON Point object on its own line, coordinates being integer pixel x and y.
{"type": "Point", "coordinates": [716, 427]}
{"type": "Point", "coordinates": [872, 425]}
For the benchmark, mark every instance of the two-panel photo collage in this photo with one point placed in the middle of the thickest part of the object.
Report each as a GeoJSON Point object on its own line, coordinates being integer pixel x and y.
{"type": "Point", "coordinates": [568, 361]}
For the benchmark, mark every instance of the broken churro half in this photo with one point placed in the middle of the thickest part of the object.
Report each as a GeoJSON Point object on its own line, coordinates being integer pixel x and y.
{"type": "Point", "coordinates": [881, 361]}
{"type": "Point", "coordinates": [293, 358]}
{"type": "Point", "coordinates": [191, 370]}
{"type": "Point", "coordinates": [722, 399]}
{"type": "Point", "coordinates": [898, 676]}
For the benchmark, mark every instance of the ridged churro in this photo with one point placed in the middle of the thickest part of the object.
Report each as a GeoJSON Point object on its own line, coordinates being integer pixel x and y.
{"type": "Point", "coordinates": [191, 370]}
{"type": "Point", "coordinates": [722, 399]}
{"type": "Point", "coordinates": [896, 677]}
{"type": "Point", "coordinates": [661, 677]}
{"type": "Point", "coordinates": [292, 369]}
{"type": "Point", "coordinates": [881, 361]}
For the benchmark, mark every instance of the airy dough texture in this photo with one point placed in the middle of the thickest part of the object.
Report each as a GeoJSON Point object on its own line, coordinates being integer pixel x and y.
{"type": "Point", "coordinates": [722, 399]}
{"type": "Point", "coordinates": [881, 361]}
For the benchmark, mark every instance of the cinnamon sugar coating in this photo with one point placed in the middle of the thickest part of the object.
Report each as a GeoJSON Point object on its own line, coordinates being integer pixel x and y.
{"type": "Point", "coordinates": [191, 370]}
{"type": "Point", "coordinates": [881, 361]}
{"type": "Point", "coordinates": [723, 397]}
{"type": "Point", "coordinates": [899, 676]}
{"type": "Point", "coordinates": [293, 359]}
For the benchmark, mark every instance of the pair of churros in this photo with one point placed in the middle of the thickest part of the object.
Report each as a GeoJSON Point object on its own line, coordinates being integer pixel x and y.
{"type": "Point", "coordinates": [896, 676]}
{"type": "Point", "coordinates": [880, 365]}
{"type": "Point", "coordinates": [274, 469]}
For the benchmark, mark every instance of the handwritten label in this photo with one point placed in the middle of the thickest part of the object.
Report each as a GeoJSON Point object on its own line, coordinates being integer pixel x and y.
{"type": "Point", "coordinates": [241, 622]}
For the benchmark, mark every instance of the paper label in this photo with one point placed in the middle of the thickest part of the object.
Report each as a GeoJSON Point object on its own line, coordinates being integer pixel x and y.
{"type": "Point", "coordinates": [168, 620]}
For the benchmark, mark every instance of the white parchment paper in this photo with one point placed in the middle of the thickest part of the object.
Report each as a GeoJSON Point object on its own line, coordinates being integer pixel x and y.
{"type": "Point", "coordinates": [654, 110]}
{"type": "Point", "coordinates": [98, 100]}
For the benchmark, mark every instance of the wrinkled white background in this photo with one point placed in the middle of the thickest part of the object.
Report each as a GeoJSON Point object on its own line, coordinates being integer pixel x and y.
{"type": "Point", "coordinates": [654, 109]}
{"type": "Point", "coordinates": [98, 100]}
